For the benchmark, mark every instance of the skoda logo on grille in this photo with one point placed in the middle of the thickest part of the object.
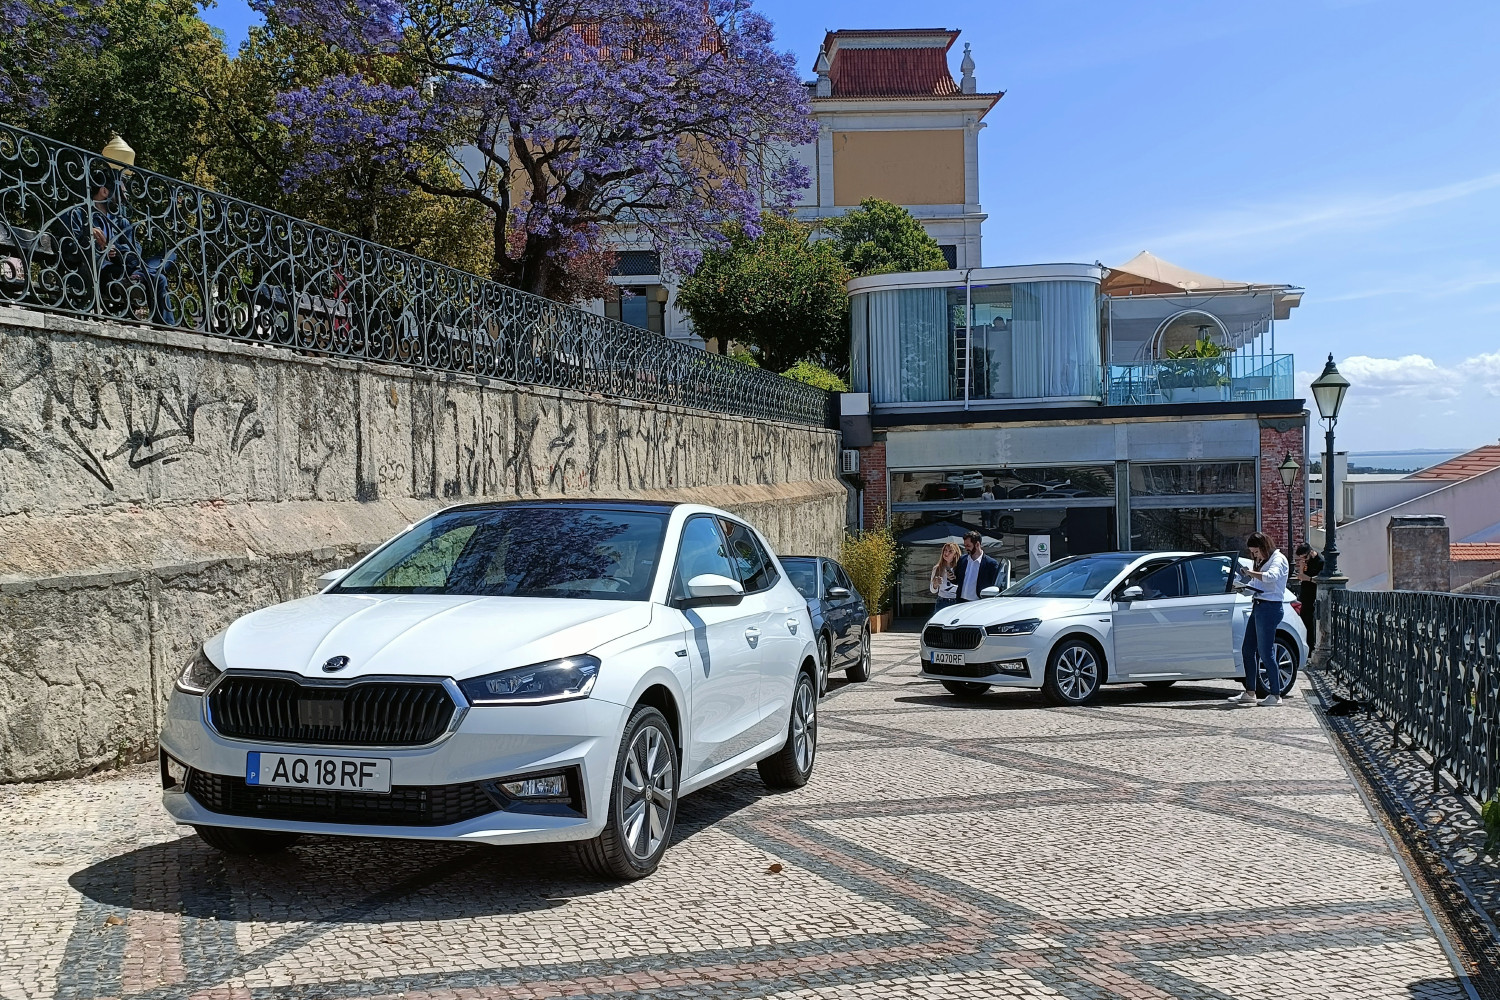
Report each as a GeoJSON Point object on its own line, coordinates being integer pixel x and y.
{"type": "Point", "coordinates": [335, 663]}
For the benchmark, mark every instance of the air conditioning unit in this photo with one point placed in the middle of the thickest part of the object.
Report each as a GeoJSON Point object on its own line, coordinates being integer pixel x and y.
{"type": "Point", "coordinates": [848, 462]}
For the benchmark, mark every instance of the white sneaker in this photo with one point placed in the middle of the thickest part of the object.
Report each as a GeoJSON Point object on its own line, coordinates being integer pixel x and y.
{"type": "Point", "coordinates": [1243, 698]}
{"type": "Point", "coordinates": [1270, 701]}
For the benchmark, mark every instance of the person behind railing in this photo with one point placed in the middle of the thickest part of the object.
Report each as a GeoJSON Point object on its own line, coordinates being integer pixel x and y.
{"type": "Point", "coordinates": [117, 249]}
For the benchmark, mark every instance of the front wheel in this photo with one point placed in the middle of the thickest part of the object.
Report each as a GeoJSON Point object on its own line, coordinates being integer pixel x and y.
{"type": "Point", "coordinates": [825, 663]}
{"type": "Point", "coordinates": [965, 689]}
{"type": "Point", "coordinates": [791, 766]}
{"type": "Point", "coordinates": [643, 803]}
{"type": "Point", "coordinates": [1074, 673]}
{"type": "Point", "coordinates": [222, 838]}
{"type": "Point", "coordinates": [860, 671]}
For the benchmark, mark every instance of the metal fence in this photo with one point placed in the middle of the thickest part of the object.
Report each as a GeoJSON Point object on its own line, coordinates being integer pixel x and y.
{"type": "Point", "coordinates": [81, 235]}
{"type": "Point", "coordinates": [1430, 665]}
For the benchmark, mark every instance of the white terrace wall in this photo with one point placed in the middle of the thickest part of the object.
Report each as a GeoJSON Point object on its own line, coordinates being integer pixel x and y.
{"type": "Point", "coordinates": [154, 486]}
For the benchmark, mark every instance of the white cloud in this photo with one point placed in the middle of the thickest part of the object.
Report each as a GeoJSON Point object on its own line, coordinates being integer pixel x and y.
{"type": "Point", "coordinates": [1485, 369]}
{"type": "Point", "coordinates": [1381, 378]}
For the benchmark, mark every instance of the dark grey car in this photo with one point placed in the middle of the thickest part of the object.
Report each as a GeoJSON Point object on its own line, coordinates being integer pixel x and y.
{"type": "Point", "coordinates": [840, 619]}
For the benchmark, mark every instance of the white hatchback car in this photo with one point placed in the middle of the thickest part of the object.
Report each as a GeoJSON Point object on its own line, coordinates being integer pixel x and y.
{"type": "Point", "coordinates": [1110, 618]}
{"type": "Point", "coordinates": [506, 673]}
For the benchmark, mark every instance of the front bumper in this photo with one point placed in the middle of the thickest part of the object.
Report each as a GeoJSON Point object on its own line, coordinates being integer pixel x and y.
{"type": "Point", "coordinates": [996, 661]}
{"type": "Point", "coordinates": [490, 743]}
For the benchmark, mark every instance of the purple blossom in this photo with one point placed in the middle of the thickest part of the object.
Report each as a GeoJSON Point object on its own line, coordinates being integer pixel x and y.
{"type": "Point", "coordinates": [34, 32]}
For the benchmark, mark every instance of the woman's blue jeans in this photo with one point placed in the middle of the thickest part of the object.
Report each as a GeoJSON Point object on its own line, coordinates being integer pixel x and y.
{"type": "Point", "coordinates": [1260, 638]}
{"type": "Point", "coordinates": [943, 602]}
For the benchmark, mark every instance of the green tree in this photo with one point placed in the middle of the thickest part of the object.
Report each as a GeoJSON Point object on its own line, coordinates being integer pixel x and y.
{"type": "Point", "coordinates": [882, 238]}
{"type": "Point", "coordinates": [817, 376]}
{"type": "Point", "coordinates": [780, 294]}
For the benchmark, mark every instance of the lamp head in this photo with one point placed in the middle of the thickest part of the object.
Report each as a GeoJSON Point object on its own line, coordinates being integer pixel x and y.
{"type": "Point", "coordinates": [1289, 469]}
{"type": "Point", "coordinates": [119, 151]}
{"type": "Point", "coordinates": [1328, 390]}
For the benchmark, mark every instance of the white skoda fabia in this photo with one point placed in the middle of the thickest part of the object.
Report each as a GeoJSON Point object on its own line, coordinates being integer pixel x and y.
{"type": "Point", "coordinates": [1152, 618]}
{"type": "Point", "coordinates": [505, 673]}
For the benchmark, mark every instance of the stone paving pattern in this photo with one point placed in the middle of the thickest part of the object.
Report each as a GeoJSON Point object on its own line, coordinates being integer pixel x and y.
{"type": "Point", "coordinates": [1153, 845]}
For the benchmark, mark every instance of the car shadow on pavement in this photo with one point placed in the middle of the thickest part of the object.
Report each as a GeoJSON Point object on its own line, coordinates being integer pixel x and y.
{"type": "Point", "coordinates": [1181, 696]}
{"type": "Point", "coordinates": [371, 879]}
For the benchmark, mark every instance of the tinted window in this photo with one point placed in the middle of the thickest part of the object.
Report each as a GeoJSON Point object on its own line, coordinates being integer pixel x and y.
{"type": "Point", "coordinates": [520, 552]}
{"type": "Point", "coordinates": [1208, 576]}
{"type": "Point", "coordinates": [755, 567]}
{"type": "Point", "coordinates": [830, 577]}
{"type": "Point", "coordinates": [1163, 584]}
{"type": "Point", "coordinates": [844, 580]}
{"type": "Point", "coordinates": [804, 576]}
{"type": "Point", "coordinates": [1078, 576]}
{"type": "Point", "coordinates": [703, 551]}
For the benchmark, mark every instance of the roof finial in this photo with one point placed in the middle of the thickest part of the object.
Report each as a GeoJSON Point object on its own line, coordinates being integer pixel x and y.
{"type": "Point", "coordinates": [968, 84]}
{"type": "Point", "coordinates": [825, 84]}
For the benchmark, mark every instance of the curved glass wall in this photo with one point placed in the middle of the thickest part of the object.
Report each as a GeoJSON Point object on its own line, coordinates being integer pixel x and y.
{"type": "Point", "coordinates": [1024, 340]}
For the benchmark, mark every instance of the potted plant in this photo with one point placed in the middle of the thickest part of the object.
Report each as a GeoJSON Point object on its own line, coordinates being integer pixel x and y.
{"type": "Point", "coordinates": [1197, 373]}
{"type": "Point", "coordinates": [869, 557]}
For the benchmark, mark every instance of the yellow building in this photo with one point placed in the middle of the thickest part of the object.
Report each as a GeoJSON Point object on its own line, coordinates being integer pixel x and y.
{"type": "Point", "coordinates": [892, 124]}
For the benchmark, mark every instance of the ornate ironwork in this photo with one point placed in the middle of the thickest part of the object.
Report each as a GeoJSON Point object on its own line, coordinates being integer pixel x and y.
{"type": "Point", "coordinates": [1430, 665]}
{"type": "Point", "coordinates": [82, 235]}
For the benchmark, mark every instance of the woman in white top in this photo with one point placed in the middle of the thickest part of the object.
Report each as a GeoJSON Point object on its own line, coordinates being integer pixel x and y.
{"type": "Point", "coordinates": [1268, 579]}
{"type": "Point", "coordinates": [943, 582]}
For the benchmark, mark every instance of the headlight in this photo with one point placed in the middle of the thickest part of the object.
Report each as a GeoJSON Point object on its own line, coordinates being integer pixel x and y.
{"type": "Point", "coordinates": [1025, 626]}
{"type": "Point", "coordinates": [555, 680]}
{"type": "Point", "coordinates": [199, 673]}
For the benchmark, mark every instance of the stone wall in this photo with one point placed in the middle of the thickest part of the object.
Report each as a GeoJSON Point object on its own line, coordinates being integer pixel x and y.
{"type": "Point", "coordinates": [154, 486]}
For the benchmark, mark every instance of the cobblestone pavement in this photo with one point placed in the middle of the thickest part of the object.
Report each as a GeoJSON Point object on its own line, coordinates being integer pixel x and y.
{"type": "Point", "coordinates": [1154, 845]}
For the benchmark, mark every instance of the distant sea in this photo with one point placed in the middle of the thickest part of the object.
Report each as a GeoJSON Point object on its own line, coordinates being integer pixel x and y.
{"type": "Point", "coordinates": [1403, 461]}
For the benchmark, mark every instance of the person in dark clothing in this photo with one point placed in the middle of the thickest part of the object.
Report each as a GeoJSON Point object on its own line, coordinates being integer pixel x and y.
{"type": "Point", "coordinates": [976, 571]}
{"type": "Point", "coordinates": [1309, 568]}
{"type": "Point", "coordinates": [116, 250]}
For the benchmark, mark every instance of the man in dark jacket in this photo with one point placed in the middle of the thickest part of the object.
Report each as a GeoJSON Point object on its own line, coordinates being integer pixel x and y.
{"type": "Point", "coordinates": [1309, 567]}
{"type": "Point", "coordinates": [976, 571]}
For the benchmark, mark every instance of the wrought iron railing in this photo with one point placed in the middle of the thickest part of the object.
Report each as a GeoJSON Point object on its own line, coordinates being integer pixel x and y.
{"type": "Point", "coordinates": [1429, 664]}
{"type": "Point", "coordinates": [1230, 378]}
{"type": "Point", "coordinates": [80, 235]}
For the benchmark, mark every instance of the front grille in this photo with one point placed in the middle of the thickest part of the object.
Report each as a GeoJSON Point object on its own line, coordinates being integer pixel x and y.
{"type": "Point", "coordinates": [411, 805]}
{"type": "Point", "coordinates": [374, 713]}
{"type": "Point", "coordinates": [961, 669]}
{"type": "Point", "coordinates": [963, 637]}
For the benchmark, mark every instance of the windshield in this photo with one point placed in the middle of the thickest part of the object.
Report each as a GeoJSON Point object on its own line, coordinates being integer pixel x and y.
{"type": "Point", "coordinates": [608, 555]}
{"type": "Point", "coordinates": [1076, 576]}
{"type": "Point", "coordinates": [804, 576]}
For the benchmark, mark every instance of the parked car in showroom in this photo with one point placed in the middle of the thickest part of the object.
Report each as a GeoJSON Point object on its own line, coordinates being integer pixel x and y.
{"type": "Point", "coordinates": [1108, 618]}
{"type": "Point", "coordinates": [839, 617]}
{"type": "Point", "coordinates": [506, 673]}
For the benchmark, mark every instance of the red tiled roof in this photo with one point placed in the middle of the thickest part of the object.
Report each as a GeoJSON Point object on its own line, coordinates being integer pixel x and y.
{"type": "Point", "coordinates": [1470, 464]}
{"type": "Point", "coordinates": [891, 73]}
{"type": "Point", "coordinates": [1474, 551]}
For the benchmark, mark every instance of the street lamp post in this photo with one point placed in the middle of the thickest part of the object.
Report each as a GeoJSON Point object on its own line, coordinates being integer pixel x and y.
{"type": "Point", "coordinates": [1328, 391]}
{"type": "Point", "coordinates": [1289, 469]}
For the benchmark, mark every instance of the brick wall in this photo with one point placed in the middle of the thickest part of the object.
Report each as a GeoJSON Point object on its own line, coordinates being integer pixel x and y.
{"type": "Point", "coordinates": [1278, 437]}
{"type": "Point", "coordinates": [872, 471]}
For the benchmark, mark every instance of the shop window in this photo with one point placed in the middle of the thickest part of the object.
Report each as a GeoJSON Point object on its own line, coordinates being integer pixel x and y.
{"type": "Point", "coordinates": [1192, 478]}
{"type": "Point", "coordinates": [1191, 529]}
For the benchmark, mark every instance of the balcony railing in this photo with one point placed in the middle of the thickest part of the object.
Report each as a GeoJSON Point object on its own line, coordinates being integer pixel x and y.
{"type": "Point", "coordinates": [83, 236]}
{"type": "Point", "coordinates": [1231, 378]}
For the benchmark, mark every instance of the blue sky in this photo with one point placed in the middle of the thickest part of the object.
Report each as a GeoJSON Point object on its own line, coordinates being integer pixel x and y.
{"type": "Point", "coordinates": [1348, 146]}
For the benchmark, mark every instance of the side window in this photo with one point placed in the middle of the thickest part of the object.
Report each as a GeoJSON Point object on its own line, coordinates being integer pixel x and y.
{"type": "Point", "coordinates": [756, 571]}
{"type": "Point", "coordinates": [830, 578]}
{"type": "Point", "coordinates": [703, 550]}
{"type": "Point", "coordinates": [1163, 584]}
{"type": "Point", "coordinates": [1208, 576]}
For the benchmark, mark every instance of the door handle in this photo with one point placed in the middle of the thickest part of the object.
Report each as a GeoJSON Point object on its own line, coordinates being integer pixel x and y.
{"type": "Point", "coordinates": [752, 635]}
{"type": "Point", "coordinates": [1222, 611]}
{"type": "Point", "coordinates": [791, 625]}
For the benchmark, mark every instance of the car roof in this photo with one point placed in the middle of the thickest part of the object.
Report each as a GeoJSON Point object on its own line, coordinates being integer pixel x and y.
{"type": "Point", "coordinates": [656, 506]}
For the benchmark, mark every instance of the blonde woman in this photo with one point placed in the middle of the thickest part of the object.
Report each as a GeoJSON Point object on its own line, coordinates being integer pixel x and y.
{"type": "Point", "coordinates": [943, 582]}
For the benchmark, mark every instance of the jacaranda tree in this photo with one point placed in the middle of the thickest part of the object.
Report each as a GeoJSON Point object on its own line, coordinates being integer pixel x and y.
{"type": "Point", "coordinates": [663, 117]}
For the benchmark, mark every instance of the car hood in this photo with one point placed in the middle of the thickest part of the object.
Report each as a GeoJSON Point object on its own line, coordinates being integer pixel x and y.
{"type": "Point", "coordinates": [996, 610]}
{"type": "Point", "coordinates": [423, 634]}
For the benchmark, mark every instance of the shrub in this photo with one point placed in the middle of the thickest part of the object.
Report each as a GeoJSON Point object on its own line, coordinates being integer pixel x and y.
{"type": "Point", "coordinates": [817, 376]}
{"type": "Point", "coordinates": [870, 558]}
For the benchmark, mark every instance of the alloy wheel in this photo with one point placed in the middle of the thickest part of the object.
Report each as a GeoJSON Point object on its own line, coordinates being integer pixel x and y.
{"type": "Point", "coordinates": [646, 792]}
{"type": "Point", "coordinates": [805, 727]}
{"type": "Point", "coordinates": [1077, 672]}
{"type": "Point", "coordinates": [1286, 665]}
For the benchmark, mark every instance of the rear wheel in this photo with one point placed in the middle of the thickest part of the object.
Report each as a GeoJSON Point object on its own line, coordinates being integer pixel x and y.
{"type": "Point", "coordinates": [1074, 673]}
{"type": "Point", "coordinates": [643, 804]}
{"type": "Point", "coordinates": [222, 838]}
{"type": "Point", "coordinates": [1286, 663]}
{"type": "Point", "coordinates": [790, 766]}
{"type": "Point", "coordinates": [965, 689]}
{"type": "Point", "coordinates": [861, 669]}
{"type": "Point", "coordinates": [825, 663]}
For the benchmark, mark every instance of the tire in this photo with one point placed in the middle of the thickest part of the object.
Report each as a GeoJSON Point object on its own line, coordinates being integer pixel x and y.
{"type": "Point", "coordinates": [642, 801]}
{"type": "Point", "coordinates": [1158, 685]}
{"type": "Point", "coordinates": [230, 841]}
{"type": "Point", "coordinates": [1074, 673]}
{"type": "Point", "coordinates": [1007, 525]}
{"type": "Point", "coordinates": [1286, 661]}
{"type": "Point", "coordinates": [964, 689]}
{"type": "Point", "coordinates": [825, 663]}
{"type": "Point", "coordinates": [860, 671]}
{"type": "Point", "coordinates": [791, 766]}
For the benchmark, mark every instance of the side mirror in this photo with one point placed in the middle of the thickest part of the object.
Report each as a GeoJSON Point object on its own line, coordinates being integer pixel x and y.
{"type": "Point", "coordinates": [990, 592]}
{"type": "Point", "coordinates": [710, 588]}
{"type": "Point", "coordinates": [1131, 594]}
{"type": "Point", "coordinates": [332, 577]}
{"type": "Point", "coordinates": [837, 593]}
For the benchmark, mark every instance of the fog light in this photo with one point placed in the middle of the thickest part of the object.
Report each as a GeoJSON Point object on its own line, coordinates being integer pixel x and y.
{"type": "Point", "coordinates": [174, 773]}
{"type": "Point", "coordinates": [548, 786]}
{"type": "Point", "coordinates": [1017, 667]}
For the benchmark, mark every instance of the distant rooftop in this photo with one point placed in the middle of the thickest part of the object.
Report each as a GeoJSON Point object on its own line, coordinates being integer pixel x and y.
{"type": "Point", "coordinates": [893, 63]}
{"type": "Point", "coordinates": [1471, 463]}
{"type": "Point", "coordinates": [1474, 552]}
